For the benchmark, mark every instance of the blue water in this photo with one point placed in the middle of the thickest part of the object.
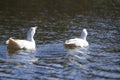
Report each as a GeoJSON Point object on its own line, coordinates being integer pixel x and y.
{"type": "Point", "coordinates": [60, 22]}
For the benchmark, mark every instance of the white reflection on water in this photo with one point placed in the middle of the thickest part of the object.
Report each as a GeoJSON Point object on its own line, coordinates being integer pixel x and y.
{"type": "Point", "coordinates": [78, 56]}
{"type": "Point", "coordinates": [94, 62]}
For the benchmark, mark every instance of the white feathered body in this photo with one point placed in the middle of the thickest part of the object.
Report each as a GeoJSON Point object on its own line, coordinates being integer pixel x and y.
{"type": "Point", "coordinates": [78, 42]}
{"type": "Point", "coordinates": [20, 44]}
{"type": "Point", "coordinates": [29, 43]}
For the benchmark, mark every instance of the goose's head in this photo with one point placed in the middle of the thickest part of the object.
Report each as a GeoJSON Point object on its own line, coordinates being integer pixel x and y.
{"type": "Point", "coordinates": [84, 34]}
{"type": "Point", "coordinates": [31, 33]}
{"type": "Point", "coordinates": [33, 30]}
{"type": "Point", "coordinates": [85, 31]}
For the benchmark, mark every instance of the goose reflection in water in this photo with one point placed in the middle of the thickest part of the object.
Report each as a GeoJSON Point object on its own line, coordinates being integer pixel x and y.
{"type": "Point", "coordinates": [78, 56]}
{"type": "Point", "coordinates": [14, 51]}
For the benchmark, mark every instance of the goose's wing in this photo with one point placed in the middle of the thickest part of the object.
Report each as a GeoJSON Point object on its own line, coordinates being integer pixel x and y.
{"type": "Point", "coordinates": [71, 41]}
{"type": "Point", "coordinates": [76, 42]}
{"type": "Point", "coordinates": [13, 43]}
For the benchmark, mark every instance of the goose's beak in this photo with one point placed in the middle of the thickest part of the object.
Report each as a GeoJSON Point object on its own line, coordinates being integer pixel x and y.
{"type": "Point", "coordinates": [35, 27]}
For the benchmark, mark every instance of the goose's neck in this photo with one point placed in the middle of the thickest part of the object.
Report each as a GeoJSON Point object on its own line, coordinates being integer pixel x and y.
{"type": "Point", "coordinates": [83, 35]}
{"type": "Point", "coordinates": [30, 35]}
{"type": "Point", "coordinates": [30, 38]}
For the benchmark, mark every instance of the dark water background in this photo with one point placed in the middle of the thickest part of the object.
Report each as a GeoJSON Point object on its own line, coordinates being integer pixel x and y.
{"type": "Point", "coordinates": [59, 20]}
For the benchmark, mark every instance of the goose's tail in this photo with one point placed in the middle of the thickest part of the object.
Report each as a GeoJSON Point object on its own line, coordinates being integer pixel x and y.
{"type": "Point", "coordinates": [12, 43]}
{"type": "Point", "coordinates": [9, 40]}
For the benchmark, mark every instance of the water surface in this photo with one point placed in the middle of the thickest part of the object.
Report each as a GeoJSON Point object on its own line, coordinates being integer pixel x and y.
{"type": "Point", "coordinates": [58, 21]}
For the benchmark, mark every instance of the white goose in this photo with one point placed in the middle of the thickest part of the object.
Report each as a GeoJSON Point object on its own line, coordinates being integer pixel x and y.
{"type": "Point", "coordinates": [29, 43]}
{"type": "Point", "coordinates": [78, 42]}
